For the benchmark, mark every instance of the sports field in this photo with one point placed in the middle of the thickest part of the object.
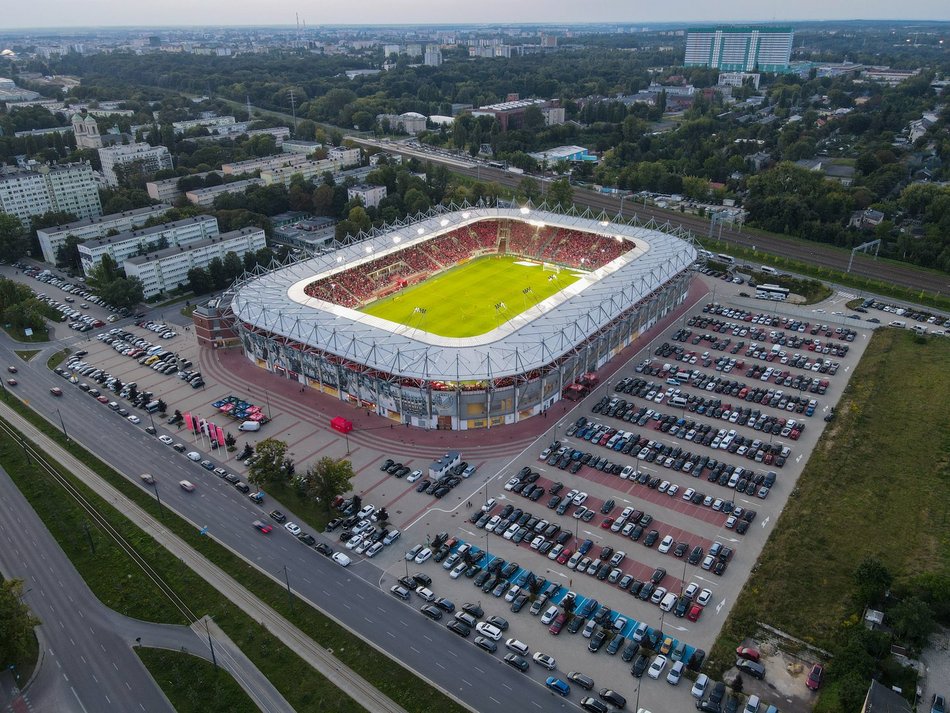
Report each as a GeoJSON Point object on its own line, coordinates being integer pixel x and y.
{"type": "Point", "coordinates": [461, 302]}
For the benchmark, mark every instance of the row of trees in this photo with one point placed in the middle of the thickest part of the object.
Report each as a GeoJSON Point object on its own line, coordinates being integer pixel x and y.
{"type": "Point", "coordinates": [20, 308]}
{"type": "Point", "coordinates": [321, 482]}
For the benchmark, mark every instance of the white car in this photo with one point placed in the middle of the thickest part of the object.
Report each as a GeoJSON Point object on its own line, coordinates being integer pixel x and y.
{"type": "Point", "coordinates": [673, 490]}
{"type": "Point", "coordinates": [673, 677]}
{"type": "Point", "coordinates": [549, 615]}
{"type": "Point", "coordinates": [354, 542]}
{"type": "Point", "coordinates": [512, 483]}
{"type": "Point", "coordinates": [704, 598]}
{"type": "Point", "coordinates": [341, 559]}
{"type": "Point", "coordinates": [414, 476]}
{"type": "Point", "coordinates": [512, 593]}
{"type": "Point", "coordinates": [489, 631]}
{"type": "Point", "coordinates": [411, 554]}
{"type": "Point", "coordinates": [374, 549]}
{"type": "Point", "coordinates": [423, 556]}
{"type": "Point", "coordinates": [167, 440]}
{"type": "Point", "coordinates": [510, 532]}
{"type": "Point", "coordinates": [425, 593]}
{"type": "Point", "coordinates": [656, 668]}
{"type": "Point", "coordinates": [580, 498]}
{"type": "Point", "coordinates": [489, 504]}
{"type": "Point", "coordinates": [688, 495]}
{"type": "Point", "coordinates": [293, 528]}
{"type": "Point", "coordinates": [134, 419]}
{"type": "Point", "coordinates": [194, 456]}
{"type": "Point", "coordinates": [691, 590]}
{"type": "Point", "coordinates": [555, 551]}
{"type": "Point", "coordinates": [666, 544]}
{"type": "Point", "coordinates": [699, 688]}
{"type": "Point", "coordinates": [457, 570]}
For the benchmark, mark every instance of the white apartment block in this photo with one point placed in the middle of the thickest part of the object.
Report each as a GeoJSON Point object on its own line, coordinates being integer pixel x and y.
{"type": "Point", "coordinates": [263, 163]}
{"type": "Point", "coordinates": [302, 147]}
{"type": "Point", "coordinates": [348, 157]}
{"type": "Point", "coordinates": [164, 270]}
{"type": "Point", "coordinates": [206, 196]}
{"type": "Point", "coordinates": [125, 245]}
{"type": "Point", "coordinates": [152, 159]}
{"type": "Point", "coordinates": [213, 122]}
{"type": "Point", "coordinates": [308, 169]}
{"type": "Point", "coordinates": [370, 195]}
{"type": "Point", "coordinates": [93, 228]}
{"type": "Point", "coordinates": [70, 188]}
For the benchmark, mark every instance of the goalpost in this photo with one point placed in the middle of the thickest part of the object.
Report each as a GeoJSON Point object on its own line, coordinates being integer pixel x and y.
{"type": "Point", "coordinates": [550, 267]}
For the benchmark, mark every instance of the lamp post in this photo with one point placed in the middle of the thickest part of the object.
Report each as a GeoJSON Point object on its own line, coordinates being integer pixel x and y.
{"type": "Point", "coordinates": [61, 423]}
{"type": "Point", "coordinates": [161, 510]}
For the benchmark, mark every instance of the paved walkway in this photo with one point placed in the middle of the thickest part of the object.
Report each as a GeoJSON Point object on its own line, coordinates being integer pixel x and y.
{"type": "Point", "coordinates": [318, 657]}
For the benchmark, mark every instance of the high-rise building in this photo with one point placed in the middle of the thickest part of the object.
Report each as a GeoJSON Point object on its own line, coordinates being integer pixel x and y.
{"type": "Point", "coordinates": [433, 56]}
{"type": "Point", "coordinates": [740, 49]}
{"type": "Point", "coordinates": [149, 159]}
{"type": "Point", "coordinates": [70, 188]}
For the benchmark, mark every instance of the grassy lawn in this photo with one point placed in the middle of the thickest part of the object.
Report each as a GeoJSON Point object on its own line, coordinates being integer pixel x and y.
{"type": "Point", "coordinates": [461, 302]}
{"type": "Point", "coordinates": [57, 359]}
{"type": "Point", "coordinates": [194, 685]}
{"type": "Point", "coordinates": [875, 485]}
{"type": "Point", "coordinates": [304, 688]}
{"type": "Point", "coordinates": [39, 335]}
{"type": "Point", "coordinates": [26, 354]}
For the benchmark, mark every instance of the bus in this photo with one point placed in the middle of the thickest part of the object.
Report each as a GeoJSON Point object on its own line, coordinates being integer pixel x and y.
{"type": "Point", "coordinates": [496, 164]}
{"type": "Point", "coordinates": [771, 292]}
{"type": "Point", "coordinates": [728, 259]}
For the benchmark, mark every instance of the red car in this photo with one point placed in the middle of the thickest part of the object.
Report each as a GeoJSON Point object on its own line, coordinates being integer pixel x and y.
{"type": "Point", "coordinates": [56, 391]}
{"type": "Point", "coordinates": [564, 556]}
{"type": "Point", "coordinates": [814, 677]}
{"type": "Point", "coordinates": [744, 652]}
{"type": "Point", "coordinates": [695, 612]}
{"type": "Point", "coordinates": [607, 523]}
{"type": "Point", "coordinates": [262, 526]}
{"type": "Point", "coordinates": [558, 624]}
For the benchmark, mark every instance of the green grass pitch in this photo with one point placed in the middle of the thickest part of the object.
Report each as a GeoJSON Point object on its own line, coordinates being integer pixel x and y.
{"type": "Point", "coordinates": [461, 302]}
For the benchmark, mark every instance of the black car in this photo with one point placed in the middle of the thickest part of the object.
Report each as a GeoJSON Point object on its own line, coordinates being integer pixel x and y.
{"type": "Point", "coordinates": [459, 628]}
{"type": "Point", "coordinates": [324, 549]}
{"type": "Point", "coordinates": [613, 698]}
{"type": "Point", "coordinates": [753, 668]}
{"type": "Point", "coordinates": [307, 538]}
{"type": "Point", "coordinates": [422, 579]}
{"type": "Point", "coordinates": [596, 641]}
{"type": "Point", "coordinates": [639, 666]}
{"type": "Point", "coordinates": [431, 611]}
{"type": "Point", "coordinates": [278, 516]}
{"type": "Point", "coordinates": [486, 644]}
{"type": "Point", "coordinates": [474, 609]}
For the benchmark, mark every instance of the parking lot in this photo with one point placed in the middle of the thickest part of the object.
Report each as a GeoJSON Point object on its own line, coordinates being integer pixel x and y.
{"type": "Point", "coordinates": [668, 439]}
{"type": "Point", "coordinates": [712, 473]}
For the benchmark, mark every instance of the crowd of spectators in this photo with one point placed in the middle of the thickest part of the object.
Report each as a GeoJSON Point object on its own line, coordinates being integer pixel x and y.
{"type": "Point", "coordinates": [570, 248]}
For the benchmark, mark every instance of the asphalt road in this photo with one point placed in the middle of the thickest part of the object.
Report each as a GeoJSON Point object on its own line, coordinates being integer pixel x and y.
{"type": "Point", "coordinates": [87, 659]}
{"type": "Point", "coordinates": [351, 596]}
{"type": "Point", "coordinates": [812, 253]}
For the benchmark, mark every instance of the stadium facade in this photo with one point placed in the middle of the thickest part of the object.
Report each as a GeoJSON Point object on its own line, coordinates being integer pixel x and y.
{"type": "Point", "coordinates": [299, 320]}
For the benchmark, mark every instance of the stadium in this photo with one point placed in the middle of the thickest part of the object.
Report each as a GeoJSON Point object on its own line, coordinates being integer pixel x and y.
{"type": "Point", "coordinates": [464, 317]}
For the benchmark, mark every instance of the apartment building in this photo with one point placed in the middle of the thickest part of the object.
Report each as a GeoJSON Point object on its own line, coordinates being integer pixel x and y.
{"type": "Point", "coordinates": [308, 169]}
{"type": "Point", "coordinates": [370, 195]}
{"type": "Point", "coordinates": [346, 157]}
{"type": "Point", "coordinates": [149, 158]}
{"type": "Point", "coordinates": [93, 228]}
{"type": "Point", "coordinates": [43, 188]}
{"type": "Point", "coordinates": [209, 123]}
{"type": "Point", "coordinates": [125, 245]}
{"type": "Point", "coordinates": [263, 163]}
{"type": "Point", "coordinates": [167, 269]}
{"type": "Point", "coordinates": [740, 49]}
{"type": "Point", "coordinates": [206, 196]}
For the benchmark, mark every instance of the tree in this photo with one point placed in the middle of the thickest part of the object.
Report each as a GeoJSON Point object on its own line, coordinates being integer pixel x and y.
{"type": "Point", "coordinates": [162, 406]}
{"type": "Point", "coordinates": [912, 619]}
{"type": "Point", "coordinates": [561, 193]}
{"type": "Point", "coordinates": [247, 452]}
{"type": "Point", "coordinates": [872, 579]}
{"type": "Point", "coordinates": [67, 254]}
{"type": "Point", "coordinates": [123, 292]}
{"type": "Point", "coordinates": [737, 683]}
{"type": "Point", "coordinates": [199, 281]}
{"type": "Point", "coordinates": [328, 478]}
{"type": "Point", "coordinates": [229, 440]}
{"type": "Point", "coordinates": [268, 467]}
{"type": "Point", "coordinates": [529, 189]}
{"type": "Point", "coordinates": [16, 622]}
{"type": "Point", "coordinates": [13, 239]}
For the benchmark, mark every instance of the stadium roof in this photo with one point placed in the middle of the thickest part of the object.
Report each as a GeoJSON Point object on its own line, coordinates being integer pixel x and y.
{"type": "Point", "coordinates": [276, 302]}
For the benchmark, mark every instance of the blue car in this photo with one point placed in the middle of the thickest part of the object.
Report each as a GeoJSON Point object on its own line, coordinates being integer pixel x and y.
{"type": "Point", "coordinates": [558, 686]}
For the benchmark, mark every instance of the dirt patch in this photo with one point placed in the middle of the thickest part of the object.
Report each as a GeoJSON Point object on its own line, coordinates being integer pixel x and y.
{"type": "Point", "coordinates": [784, 682]}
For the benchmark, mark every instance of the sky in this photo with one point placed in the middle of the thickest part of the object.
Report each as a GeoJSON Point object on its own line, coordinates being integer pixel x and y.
{"type": "Point", "coordinates": [91, 13]}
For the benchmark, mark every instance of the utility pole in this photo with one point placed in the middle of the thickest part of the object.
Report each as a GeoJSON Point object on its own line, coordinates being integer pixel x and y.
{"type": "Point", "coordinates": [293, 109]}
{"type": "Point", "coordinates": [214, 659]}
{"type": "Point", "coordinates": [290, 596]}
{"type": "Point", "coordinates": [61, 423]}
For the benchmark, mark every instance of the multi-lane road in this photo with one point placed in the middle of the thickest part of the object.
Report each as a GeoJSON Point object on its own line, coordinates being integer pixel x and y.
{"type": "Point", "coordinates": [352, 596]}
{"type": "Point", "coordinates": [813, 253]}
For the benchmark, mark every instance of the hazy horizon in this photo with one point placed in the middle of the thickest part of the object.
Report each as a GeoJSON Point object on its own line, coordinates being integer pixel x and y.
{"type": "Point", "coordinates": [218, 13]}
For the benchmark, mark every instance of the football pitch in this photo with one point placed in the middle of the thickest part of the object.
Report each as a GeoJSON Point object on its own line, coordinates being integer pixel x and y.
{"type": "Point", "coordinates": [461, 302]}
